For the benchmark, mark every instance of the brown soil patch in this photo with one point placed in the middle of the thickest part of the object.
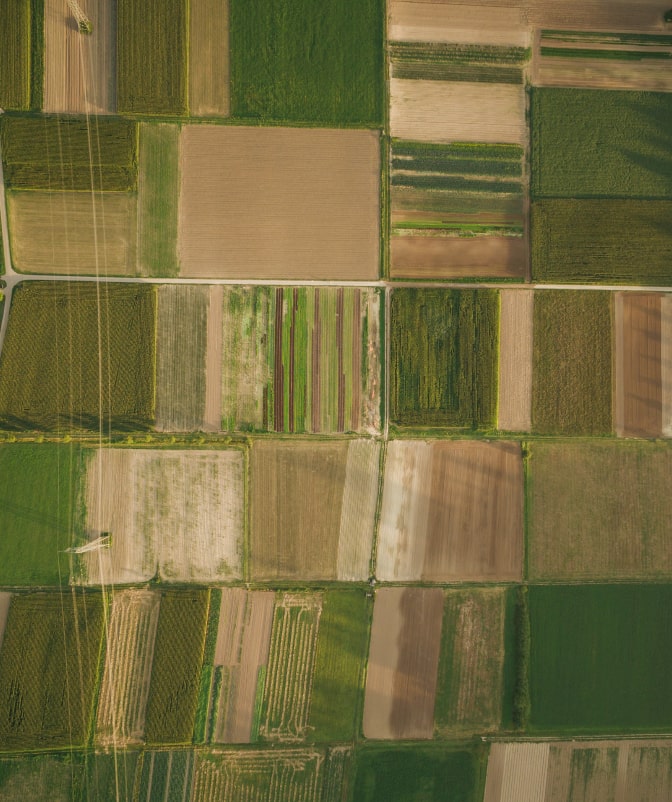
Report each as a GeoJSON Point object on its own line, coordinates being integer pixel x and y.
{"type": "Point", "coordinates": [597, 15]}
{"type": "Point", "coordinates": [209, 58]}
{"type": "Point", "coordinates": [666, 362]}
{"type": "Point", "coordinates": [5, 601]}
{"type": "Point", "coordinates": [212, 418]}
{"type": "Point", "coordinates": [80, 70]}
{"type": "Point", "coordinates": [279, 203]}
{"type": "Point", "coordinates": [651, 76]}
{"type": "Point", "coordinates": [457, 257]}
{"type": "Point", "coordinates": [515, 360]}
{"type": "Point", "coordinates": [516, 772]}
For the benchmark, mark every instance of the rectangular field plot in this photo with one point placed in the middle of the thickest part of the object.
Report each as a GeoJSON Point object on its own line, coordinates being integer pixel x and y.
{"type": "Point", "coordinates": [15, 56]}
{"type": "Point", "coordinates": [165, 775]}
{"type": "Point", "coordinates": [516, 316]}
{"type": "Point", "coordinates": [278, 203]}
{"type": "Point", "coordinates": [111, 775]}
{"type": "Point", "coordinates": [41, 778]}
{"type": "Point", "coordinates": [599, 511]}
{"type": "Point", "coordinates": [176, 512]}
{"type": "Point", "coordinates": [209, 66]}
{"type": "Point", "coordinates": [599, 658]}
{"type": "Point", "coordinates": [327, 534]}
{"type": "Point", "coordinates": [65, 341]}
{"type": "Point", "coordinates": [48, 667]}
{"type": "Point", "coordinates": [451, 511]}
{"type": "Point", "coordinates": [572, 356]}
{"type": "Point", "coordinates": [440, 61]}
{"type": "Point", "coordinates": [303, 359]}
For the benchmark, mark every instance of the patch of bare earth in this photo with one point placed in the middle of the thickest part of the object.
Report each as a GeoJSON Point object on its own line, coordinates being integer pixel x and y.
{"type": "Point", "coordinates": [515, 360]}
{"type": "Point", "coordinates": [278, 203]}
{"type": "Point", "coordinates": [212, 417]}
{"type": "Point", "coordinates": [457, 257]}
{"type": "Point", "coordinates": [5, 601]}
{"type": "Point", "coordinates": [650, 76]}
{"type": "Point", "coordinates": [666, 362]}
{"type": "Point", "coordinates": [517, 772]}
{"type": "Point", "coordinates": [209, 58]}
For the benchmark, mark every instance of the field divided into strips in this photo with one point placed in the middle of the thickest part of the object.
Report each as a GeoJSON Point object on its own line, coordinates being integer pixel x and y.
{"type": "Point", "coordinates": [209, 58]}
{"type": "Point", "coordinates": [598, 510]}
{"type": "Point", "coordinates": [70, 347]}
{"type": "Point", "coordinates": [329, 535]}
{"type": "Point", "coordinates": [48, 669]}
{"type": "Point", "coordinates": [299, 203]}
{"type": "Point", "coordinates": [457, 210]}
{"type": "Point", "coordinates": [440, 61]}
{"type": "Point", "coordinates": [165, 776]}
{"type": "Point", "coordinates": [176, 668]}
{"type": "Point", "coordinates": [572, 356]}
{"type": "Point", "coordinates": [123, 693]}
{"type": "Point", "coordinates": [443, 357]}
{"type": "Point", "coordinates": [111, 776]}
{"type": "Point", "coordinates": [176, 512]}
{"type": "Point", "coordinates": [41, 778]}
{"type": "Point", "coordinates": [451, 511]}
{"type": "Point", "coordinates": [516, 342]}
{"type": "Point", "coordinates": [302, 359]}
{"type": "Point", "coordinates": [152, 46]}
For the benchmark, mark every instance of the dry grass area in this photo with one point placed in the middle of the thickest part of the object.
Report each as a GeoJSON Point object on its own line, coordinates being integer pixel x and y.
{"type": "Point", "coordinates": [77, 233]}
{"type": "Point", "coordinates": [666, 363]}
{"type": "Point", "coordinates": [451, 511]}
{"type": "Point", "coordinates": [426, 257]}
{"type": "Point", "coordinates": [326, 533]}
{"type": "Point", "coordinates": [209, 58]}
{"type": "Point", "coordinates": [586, 73]}
{"type": "Point", "coordinates": [514, 412]}
{"type": "Point", "coordinates": [80, 70]}
{"type": "Point", "coordinates": [279, 203]}
{"type": "Point", "coordinates": [403, 663]}
{"type": "Point", "coordinates": [443, 111]}
{"type": "Point", "coordinates": [5, 601]}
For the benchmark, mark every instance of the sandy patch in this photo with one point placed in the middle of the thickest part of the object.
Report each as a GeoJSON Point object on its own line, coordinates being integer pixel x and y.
{"type": "Point", "coordinates": [5, 601]}
{"type": "Point", "coordinates": [209, 57]}
{"type": "Point", "coordinates": [443, 111]}
{"type": "Point", "coordinates": [457, 257]}
{"type": "Point", "coordinates": [515, 360]}
{"type": "Point", "coordinates": [80, 70]}
{"type": "Point", "coordinates": [212, 418]}
{"type": "Point", "coordinates": [666, 362]}
{"type": "Point", "coordinates": [279, 203]}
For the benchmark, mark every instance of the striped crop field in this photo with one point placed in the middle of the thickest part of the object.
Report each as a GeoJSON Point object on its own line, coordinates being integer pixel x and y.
{"type": "Point", "coordinates": [163, 775]}
{"type": "Point", "coordinates": [441, 61]}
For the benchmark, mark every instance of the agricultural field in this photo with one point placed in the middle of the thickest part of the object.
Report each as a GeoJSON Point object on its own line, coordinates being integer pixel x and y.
{"type": "Point", "coordinates": [302, 359]}
{"type": "Point", "coordinates": [599, 658]}
{"type": "Point", "coordinates": [299, 203]}
{"type": "Point", "coordinates": [451, 511]}
{"type": "Point", "coordinates": [443, 369]}
{"type": "Point", "coordinates": [48, 668]}
{"type": "Point", "coordinates": [441, 61]}
{"type": "Point", "coordinates": [516, 346]}
{"type": "Point", "coordinates": [175, 514]}
{"type": "Point", "coordinates": [597, 511]}
{"type": "Point", "coordinates": [41, 778]}
{"type": "Point", "coordinates": [65, 344]}
{"type": "Point", "coordinates": [325, 535]}
{"type": "Point", "coordinates": [165, 775]}
{"type": "Point", "coordinates": [293, 60]}
{"type": "Point", "coordinates": [21, 50]}
{"type": "Point", "coordinates": [209, 58]}
{"type": "Point", "coordinates": [111, 775]}
{"type": "Point", "coordinates": [572, 362]}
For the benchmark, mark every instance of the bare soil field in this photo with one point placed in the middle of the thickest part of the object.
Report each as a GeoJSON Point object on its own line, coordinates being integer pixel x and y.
{"type": "Point", "coordinates": [279, 203]}
{"type": "Point", "coordinates": [209, 58]}
{"type": "Point", "coordinates": [451, 511]}
{"type": "Point", "coordinates": [638, 392]}
{"type": "Point", "coordinates": [403, 663]}
{"type": "Point", "coordinates": [75, 233]}
{"type": "Point", "coordinates": [457, 257]}
{"type": "Point", "coordinates": [515, 360]}
{"type": "Point", "coordinates": [80, 71]}
{"type": "Point", "coordinates": [5, 601]}
{"type": "Point", "coordinates": [666, 362]}
{"type": "Point", "coordinates": [650, 76]}
{"type": "Point", "coordinates": [597, 15]}
{"type": "Point", "coordinates": [212, 417]}
{"type": "Point", "coordinates": [444, 111]}
{"type": "Point", "coordinates": [516, 772]}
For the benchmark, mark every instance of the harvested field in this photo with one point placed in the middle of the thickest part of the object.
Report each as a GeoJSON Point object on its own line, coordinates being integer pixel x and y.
{"type": "Point", "coordinates": [212, 416]}
{"type": "Point", "coordinates": [598, 15]}
{"type": "Point", "coordinates": [5, 600]}
{"type": "Point", "coordinates": [40, 778]}
{"type": "Point", "coordinates": [316, 192]}
{"type": "Point", "coordinates": [209, 58]}
{"type": "Point", "coordinates": [178, 512]}
{"type": "Point", "coordinates": [443, 111]}
{"type": "Point", "coordinates": [181, 343]}
{"type": "Point", "coordinates": [165, 776]}
{"type": "Point", "coordinates": [666, 362]}
{"type": "Point", "coordinates": [451, 511]}
{"type": "Point", "coordinates": [517, 773]}
{"type": "Point", "coordinates": [598, 511]}
{"type": "Point", "coordinates": [73, 233]}
{"type": "Point", "coordinates": [514, 411]}
{"type": "Point", "coordinates": [426, 257]}
{"type": "Point", "coordinates": [128, 666]}
{"type": "Point", "coordinates": [296, 537]}
{"type": "Point", "coordinates": [471, 666]}
{"type": "Point", "coordinates": [79, 71]}
{"type": "Point", "coordinates": [403, 663]}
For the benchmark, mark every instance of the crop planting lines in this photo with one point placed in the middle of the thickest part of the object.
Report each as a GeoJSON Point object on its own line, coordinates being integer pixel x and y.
{"type": "Point", "coordinates": [316, 191]}
{"type": "Point", "coordinates": [209, 58]}
{"type": "Point", "coordinates": [165, 776]}
{"type": "Point", "coordinates": [41, 778]}
{"type": "Point", "coordinates": [514, 411]}
{"type": "Point", "coordinates": [451, 511]}
{"type": "Point", "coordinates": [289, 679]}
{"type": "Point", "coordinates": [517, 773]}
{"type": "Point", "coordinates": [403, 663]}
{"type": "Point", "coordinates": [128, 665]}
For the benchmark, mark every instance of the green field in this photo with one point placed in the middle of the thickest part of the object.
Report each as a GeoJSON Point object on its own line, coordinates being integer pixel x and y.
{"type": "Point", "coordinates": [165, 776]}
{"type": "Point", "coordinates": [337, 680]}
{"type": "Point", "coordinates": [69, 153]}
{"type": "Point", "coordinates": [78, 356]}
{"type": "Point", "coordinates": [601, 241]}
{"type": "Point", "coordinates": [438, 61]}
{"type": "Point", "coordinates": [592, 143]}
{"type": "Point", "coordinates": [111, 776]}
{"type": "Point", "coordinates": [419, 774]}
{"type": "Point", "coordinates": [152, 56]}
{"type": "Point", "coordinates": [41, 778]}
{"type": "Point", "coordinates": [444, 357]}
{"type": "Point", "coordinates": [571, 384]}
{"type": "Point", "coordinates": [15, 54]}
{"type": "Point", "coordinates": [48, 668]}
{"type": "Point", "coordinates": [303, 61]}
{"type": "Point", "coordinates": [176, 668]}
{"type": "Point", "coordinates": [600, 658]}
{"type": "Point", "coordinates": [38, 511]}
